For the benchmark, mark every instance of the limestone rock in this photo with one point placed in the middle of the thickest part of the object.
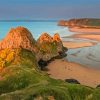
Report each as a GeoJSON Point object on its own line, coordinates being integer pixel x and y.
{"type": "Point", "coordinates": [46, 47]}
{"type": "Point", "coordinates": [50, 46]}
{"type": "Point", "coordinates": [56, 37]}
{"type": "Point", "coordinates": [58, 42]}
{"type": "Point", "coordinates": [45, 37]}
{"type": "Point", "coordinates": [19, 37]}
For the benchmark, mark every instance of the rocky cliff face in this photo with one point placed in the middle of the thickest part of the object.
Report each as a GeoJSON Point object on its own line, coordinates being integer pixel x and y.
{"type": "Point", "coordinates": [49, 46]}
{"type": "Point", "coordinates": [45, 37]}
{"type": "Point", "coordinates": [19, 37]}
{"type": "Point", "coordinates": [58, 42]}
{"type": "Point", "coordinates": [46, 47]}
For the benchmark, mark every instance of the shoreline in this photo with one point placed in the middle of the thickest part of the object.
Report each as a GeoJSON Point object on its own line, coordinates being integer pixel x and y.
{"type": "Point", "coordinates": [85, 30]}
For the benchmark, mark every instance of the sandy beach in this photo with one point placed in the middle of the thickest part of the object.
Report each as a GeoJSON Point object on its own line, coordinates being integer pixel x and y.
{"type": "Point", "coordinates": [86, 33]}
{"type": "Point", "coordinates": [72, 45]}
{"type": "Point", "coordinates": [62, 69]}
{"type": "Point", "coordinates": [90, 36]}
{"type": "Point", "coordinates": [85, 30]}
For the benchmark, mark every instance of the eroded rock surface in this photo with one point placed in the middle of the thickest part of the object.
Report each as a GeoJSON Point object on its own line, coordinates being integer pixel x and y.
{"type": "Point", "coordinates": [45, 48]}
{"type": "Point", "coordinates": [18, 37]}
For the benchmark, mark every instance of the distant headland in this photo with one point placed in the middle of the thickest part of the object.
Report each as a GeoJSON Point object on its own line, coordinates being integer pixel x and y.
{"type": "Point", "coordinates": [82, 23]}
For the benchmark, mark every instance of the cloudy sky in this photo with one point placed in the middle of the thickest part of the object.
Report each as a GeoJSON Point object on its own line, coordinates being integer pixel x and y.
{"type": "Point", "coordinates": [49, 9]}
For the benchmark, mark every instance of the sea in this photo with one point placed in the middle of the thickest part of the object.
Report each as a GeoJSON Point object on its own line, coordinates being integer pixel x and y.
{"type": "Point", "coordinates": [35, 27]}
{"type": "Point", "coordinates": [86, 56]}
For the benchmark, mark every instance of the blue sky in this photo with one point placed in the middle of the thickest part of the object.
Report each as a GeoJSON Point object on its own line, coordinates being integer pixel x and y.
{"type": "Point", "coordinates": [49, 9]}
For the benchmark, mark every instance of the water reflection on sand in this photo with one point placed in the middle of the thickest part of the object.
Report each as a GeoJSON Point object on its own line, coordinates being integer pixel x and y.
{"type": "Point", "coordinates": [88, 56]}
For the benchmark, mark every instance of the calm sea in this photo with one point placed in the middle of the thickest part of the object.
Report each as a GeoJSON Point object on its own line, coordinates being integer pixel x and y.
{"type": "Point", "coordinates": [35, 27]}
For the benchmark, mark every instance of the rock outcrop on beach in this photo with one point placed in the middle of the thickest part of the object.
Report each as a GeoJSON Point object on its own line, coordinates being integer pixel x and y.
{"type": "Point", "coordinates": [11, 47]}
{"type": "Point", "coordinates": [19, 37]}
{"type": "Point", "coordinates": [82, 23]}
{"type": "Point", "coordinates": [45, 48]}
{"type": "Point", "coordinates": [49, 46]}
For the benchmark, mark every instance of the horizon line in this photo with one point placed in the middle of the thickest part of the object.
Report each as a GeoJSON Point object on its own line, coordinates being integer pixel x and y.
{"type": "Point", "coordinates": [29, 20]}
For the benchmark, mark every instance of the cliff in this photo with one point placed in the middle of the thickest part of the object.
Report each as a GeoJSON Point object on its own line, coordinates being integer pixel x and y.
{"type": "Point", "coordinates": [82, 22]}
{"type": "Point", "coordinates": [19, 37]}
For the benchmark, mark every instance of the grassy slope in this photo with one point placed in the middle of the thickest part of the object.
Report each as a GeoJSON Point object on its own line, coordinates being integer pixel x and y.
{"type": "Point", "coordinates": [22, 80]}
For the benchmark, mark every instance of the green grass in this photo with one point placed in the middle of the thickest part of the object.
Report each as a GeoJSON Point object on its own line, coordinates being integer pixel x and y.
{"type": "Point", "coordinates": [22, 80]}
{"type": "Point", "coordinates": [96, 94]}
{"type": "Point", "coordinates": [26, 84]}
{"type": "Point", "coordinates": [61, 91]}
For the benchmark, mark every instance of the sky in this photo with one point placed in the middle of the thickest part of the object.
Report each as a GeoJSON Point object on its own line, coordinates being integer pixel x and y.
{"type": "Point", "coordinates": [49, 9]}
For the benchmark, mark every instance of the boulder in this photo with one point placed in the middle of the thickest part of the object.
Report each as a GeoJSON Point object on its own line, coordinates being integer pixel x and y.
{"type": "Point", "coordinates": [46, 47]}
{"type": "Point", "coordinates": [98, 86]}
{"type": "Point", "coordinates": [74, 81]}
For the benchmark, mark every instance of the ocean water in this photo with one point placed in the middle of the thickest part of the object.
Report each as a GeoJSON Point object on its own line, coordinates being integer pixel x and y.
{"type": "Point", "coordinates": [35, 27]}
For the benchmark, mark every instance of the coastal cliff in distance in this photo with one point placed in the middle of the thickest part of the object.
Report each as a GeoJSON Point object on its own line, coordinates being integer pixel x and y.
{"type": "Point", "coordinates": [82, 23]}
